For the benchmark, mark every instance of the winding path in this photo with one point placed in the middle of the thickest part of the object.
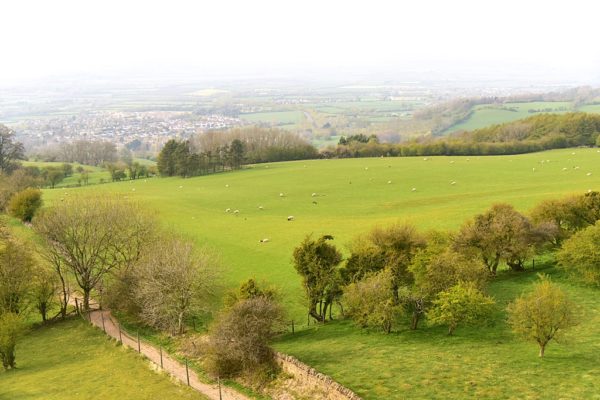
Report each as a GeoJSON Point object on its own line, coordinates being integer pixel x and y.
{"type": "Point", "coordinates": [104, 320]}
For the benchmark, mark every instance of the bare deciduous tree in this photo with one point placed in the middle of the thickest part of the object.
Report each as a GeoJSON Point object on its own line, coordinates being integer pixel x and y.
{"type": "Point", "coordinates": [93, 236]}
{"type": "Point", "coordinates": [172, 282]}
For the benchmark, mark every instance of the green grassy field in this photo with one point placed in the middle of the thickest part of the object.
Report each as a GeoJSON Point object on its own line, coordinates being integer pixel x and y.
{"type": "Point", "coordinates": [486, 115]}
{"type": "Point", "coordinates": [96, 174]}
{"type": "Point", "coordinates": [285, 119]}
{"type": "Point", "coordinates": [352, 196]}
{"type": "Point", "coordinates": [72, 360]}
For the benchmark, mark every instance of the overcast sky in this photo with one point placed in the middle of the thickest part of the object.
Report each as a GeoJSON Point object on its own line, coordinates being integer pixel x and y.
{"type": "Point", "coordinates": [44, 38]}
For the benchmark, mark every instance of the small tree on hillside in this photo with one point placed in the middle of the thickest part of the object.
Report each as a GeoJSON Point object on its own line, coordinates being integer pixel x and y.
{"type": "Point", "coordinates": [580, 255]}
{"type": "Point", "coordinates": [16, 273]}
{"type": "Point", "coordinates": [370, 304]}
{"type": "Point", "coordinates": [11, 329]}
{"type": "Point", "coordinates": [239, 340]}
{"type": "Point", "coordinates": [461, 304]}
{"type": "Point", "coordinates": [501, 233]}
{"type": "Point", "coordinates": [93, 236]}
{"type": "Point", "coordinates": [543, 314]}
{"type": "Point", "coordinates": [316, 261]}
{"type": "Point", "coordinates": [173, 282]}
{"type": "Point", "coordinates": [10, 150]}
{"type": "Point", "coordinates": [24, 204]}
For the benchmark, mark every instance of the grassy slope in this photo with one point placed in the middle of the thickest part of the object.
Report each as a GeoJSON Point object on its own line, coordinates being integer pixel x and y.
{"type": "Point", "coordinates": [485, 363]}
{"type": "Point", "coordinates": [486, 115]}
{"type": "Point", "coordinates": [72, 360]}
{"type": "Point", "coordinates": [476, 363]}
{"type": "Point", "coordinates": [350, 201]}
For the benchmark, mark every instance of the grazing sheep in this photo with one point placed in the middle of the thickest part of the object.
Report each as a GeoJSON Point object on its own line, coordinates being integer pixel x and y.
{"type": "Point", "coordinates": [180, 187]}
{"type": "Point", "coordinates": [389, 182]}
{"type": "Point", "coordinates": [226, 185]}
{"type": "Point", "coordinates": [425, 159]}
{"type": "Point", "coordinates": [366, 168]}
{"type": "Point", "coordinates": [236, 211]}
{"type": "Point", "coordinates": [576, 167]}
{"type": "Point", "coordinates": [265, 240]}
{"type": "Point", "coordinates": [573, 153]}
{"type": "Point", "coordinates": [453, 183]}
{"type": "Point", "coordinates": [452, 162]}
{"type": "Point", "coordinates": [414, 189]}
{"type": "Point", "coordinates": [228, 210]}
{"type": "Point", "coordinates": [534, 170]}
{"type": "Point", "coordinates": [314, 195]}
{"type": "Point", "coordinates": [133, 190]}
{"type": "Point", "coordinates": [565, 168]}
{"type": "Point", "coordinates": [589, 174]}
{"type": "Point", "coordinates": [290, 218]}
{"type": "Point", "coordinates": [260, 207]}
{"type": "Point", "coordinates": [281, 195]}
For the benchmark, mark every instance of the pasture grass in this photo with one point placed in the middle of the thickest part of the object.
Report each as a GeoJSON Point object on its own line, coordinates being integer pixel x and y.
{"type": "Point", "coordinates": [491, 114]}
{"type": "Point", "coordinates": [352, 196]}
{"type": "Point", "coordinates": [73, 360]}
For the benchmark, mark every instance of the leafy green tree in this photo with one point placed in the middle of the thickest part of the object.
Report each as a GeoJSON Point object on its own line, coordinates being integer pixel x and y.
{"type": "Point", "coordinates": [543, 314]}
{"type": "Point", "coordinates": [462, 304]}
{"type": "Point", "coordinates": [10, 150]}
{"type": "Point", "coordinates": [24, 204]}
{"type": "Point", "coordinates": [369, 302]}
{"type": "Point", "coordinates": [580, 255]}
{"type": "Point", "coordinates": [67, 169]}
{"type": "Point", "coordinates": [16, 273]}
{"type": "Point", "coordinates": [499, 234]}
{"type": "Point", "coordinates": [236, 151]}
{"type": "Point", "coordinates": [167, 163]}
{"type": "Point", "coordinates": [248, 290]}
{"type": "Point", "coordinates": [53, 176]}
{"type": "Point", "coordinates": [316, 261]}
{"type": "Point", "coordinates": [11, 329]}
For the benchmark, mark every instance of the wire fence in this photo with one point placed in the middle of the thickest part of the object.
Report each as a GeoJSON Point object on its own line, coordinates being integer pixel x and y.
{"type": "Point", "coordinates": [104, 320]}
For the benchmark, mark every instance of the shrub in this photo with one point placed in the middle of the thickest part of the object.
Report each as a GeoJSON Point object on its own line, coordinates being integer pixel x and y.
{"type": "Point", "coordinates": [25, 203]}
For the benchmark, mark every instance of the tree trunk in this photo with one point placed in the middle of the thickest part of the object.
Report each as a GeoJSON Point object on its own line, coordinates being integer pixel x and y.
{"type": "Point", "coordinates": [86, 299]}
{"type": "Point", "coordinates": [542, 348]}
{"type": "Point", "coordinates": [451, 329]}
{"type": "Point", "coordinates": [414, 323]}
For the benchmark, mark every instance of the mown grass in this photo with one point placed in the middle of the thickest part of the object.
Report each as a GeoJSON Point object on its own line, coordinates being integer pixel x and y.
{"type": "Point", "coordinates": [354, 195]}
{"type": "Point", "coordinates": [72, 360]}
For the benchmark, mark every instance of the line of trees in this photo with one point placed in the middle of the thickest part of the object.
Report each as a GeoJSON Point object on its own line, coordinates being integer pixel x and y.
{"type": "Point", "coordinates": [396, 273]}
{"type": "Point", "coordinates": [536, 133]}
{"type": "Point", "coordinates": [212, 152]}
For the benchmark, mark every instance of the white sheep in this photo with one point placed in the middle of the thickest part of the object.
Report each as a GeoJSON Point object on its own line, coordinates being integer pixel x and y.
{"type": "Point", "coordinates": [452, 162]}
{"type": "Point", "coordinates": [228, 210]}
{"type": "Point", "coordinates": [366, 168]}
{"type": "Point", "coordinates": [236, 212]}
{"type": "Point", "coordinates": [133, 190]}
{"type": "Point", "coordinates": [414, 189]}
{"type": "Point", "coordinates": [290, 218]}
{"type": "Point", "coordinates": [576, 167]}
{"type": "Point", "coordinates": [281, 194]}
{"type": "Point", "coordinates": [260, 207]}
{"type": "Point", "coordinates": [180, 187]}
{"type": "Point", "coordinates": [565, 168]}
{"type": "Point", "coordinates": [389, 182]}
{"type": "Point", "coordinates": [453, 183]}
{"type": "Point", "coordinates": [589, 174]}
{"type": "Point", "coordinates": [265, 240]}
{"type": "Point", "coordinates": [533, 169]}
{"type": "Point", "coordinates": [314, 195]}
{"type": "Point", "coordinates": [226, 186]}
{"type": "Point", "coordinates": [425, 159]}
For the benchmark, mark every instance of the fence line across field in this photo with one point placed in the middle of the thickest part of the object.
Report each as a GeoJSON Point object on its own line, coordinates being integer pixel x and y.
{"type": "Point", "coordinates": [104, 320]}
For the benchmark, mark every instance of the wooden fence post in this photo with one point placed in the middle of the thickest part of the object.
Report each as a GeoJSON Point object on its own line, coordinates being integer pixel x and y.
{"type": "Point", "coordinates": [292, 326]}
{"type": "Point", "coordinates": [161, 360]}
{"type": "Point", "coordinates": [103, 326]}
{"type": "Point", "coordinates": [219, 383]}
{"type": "Point", "coordinates": [187, 372]}
{"type": "Point", "coordinates": [120, 337]}
{"type": "Point", "coordinates": [77, 306]}
{"type": "Point", "coordinates": [138, 338]}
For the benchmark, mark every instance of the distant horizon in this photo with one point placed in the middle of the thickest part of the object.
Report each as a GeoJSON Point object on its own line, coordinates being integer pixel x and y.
{"type": "Point", "coordinates": [535, 41]}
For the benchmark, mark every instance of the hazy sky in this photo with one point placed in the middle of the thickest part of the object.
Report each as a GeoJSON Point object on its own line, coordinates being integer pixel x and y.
{"type": "Point", "coordinates": [41, 38]}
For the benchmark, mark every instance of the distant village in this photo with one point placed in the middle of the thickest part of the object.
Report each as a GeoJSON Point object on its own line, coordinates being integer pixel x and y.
{"type": "Point", "coordinates": [152, 128]}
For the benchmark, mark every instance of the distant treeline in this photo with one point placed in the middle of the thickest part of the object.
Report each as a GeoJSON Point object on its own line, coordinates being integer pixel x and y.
{"type": "Point", "coordinates": [87, 152]}
{"type": "Point", "coordinates": [536, 133]}
{"type": "Point", "coordinates": [212, 152]}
